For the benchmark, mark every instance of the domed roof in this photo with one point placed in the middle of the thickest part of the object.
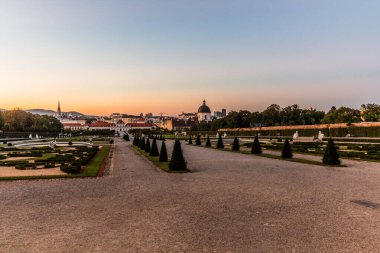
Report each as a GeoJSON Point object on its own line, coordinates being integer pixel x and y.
{"type": "Point", "coordinates": [204, 108]}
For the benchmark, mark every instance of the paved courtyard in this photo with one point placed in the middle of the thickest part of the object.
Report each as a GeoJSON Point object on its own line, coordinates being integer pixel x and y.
{"type": "Point", "coordinates": [230, 203]}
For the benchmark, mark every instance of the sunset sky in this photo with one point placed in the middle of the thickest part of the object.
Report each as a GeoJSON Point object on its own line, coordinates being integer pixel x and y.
{"type": "Point", "coordinates": [99, 57]}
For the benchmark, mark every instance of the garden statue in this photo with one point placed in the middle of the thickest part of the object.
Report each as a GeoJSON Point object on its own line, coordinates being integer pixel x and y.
{"type": "Point", "coordinates": [296, 135]}
{"type": "Point", "coordinates": [320, 136]}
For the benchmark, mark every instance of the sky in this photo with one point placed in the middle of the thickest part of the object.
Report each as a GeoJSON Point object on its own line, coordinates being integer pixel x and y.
{"type": "Point", "coordinates": [99, 57]}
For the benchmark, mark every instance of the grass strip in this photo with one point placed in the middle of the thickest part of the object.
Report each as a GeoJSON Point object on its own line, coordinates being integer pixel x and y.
{"type": "Point", "coordinates": [155, 160]}
{"type": "Point", "coordinates": [277, 157]}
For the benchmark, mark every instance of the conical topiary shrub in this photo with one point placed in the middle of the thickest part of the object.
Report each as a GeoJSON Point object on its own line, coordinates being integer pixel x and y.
{"type": "Point", "coordinates": [147, 146]}
{"type": "Point", "coordinates": [236, 145]}
{"type": "Point", "coordinates": [142, 143]}
{"type": "Point", "coordinates": [126, 137]}
{"type": "Point", "coordinates": [154, 149]}
{"type": "Point", "coordinates": [256, 147]}
{"type": "Point", "coordinates": [331, 156]}
{"type": "Point", "coordinates": [190, 140]}
{"type": "Point", "coordinates": [163, 153]}
{"type": "Point", "coordinates": [198, 140]}
{"type": "Point", "coordinates": [208, 142]}
{"type": "Point", "coordinates": [220, 144]}
{"type": "Point", "coordinates": [287, 150]}
{"type": "Point", "coordinates": [177, 163]}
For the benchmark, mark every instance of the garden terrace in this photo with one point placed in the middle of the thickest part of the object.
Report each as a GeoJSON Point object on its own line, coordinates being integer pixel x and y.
{"type": "Point", "coordinates": [59, 161]}
{"type": "Point", "coordinates": [363, 129]}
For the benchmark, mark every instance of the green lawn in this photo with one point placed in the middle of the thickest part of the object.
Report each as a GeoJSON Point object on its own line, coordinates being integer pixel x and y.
{"type": "Point", "coordinates": [93, 167]}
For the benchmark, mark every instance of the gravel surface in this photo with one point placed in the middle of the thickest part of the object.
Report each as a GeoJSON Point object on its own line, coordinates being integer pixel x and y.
{"type": "Point", "coordinates": [230, 203]}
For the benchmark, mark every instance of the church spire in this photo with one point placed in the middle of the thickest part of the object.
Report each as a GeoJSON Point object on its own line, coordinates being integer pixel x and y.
{"type": "Point", "coordinates": [59, 109]}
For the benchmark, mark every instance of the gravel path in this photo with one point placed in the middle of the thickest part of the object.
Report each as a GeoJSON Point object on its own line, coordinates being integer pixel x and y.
{"type": "Point", "coordinates": [231, 203]}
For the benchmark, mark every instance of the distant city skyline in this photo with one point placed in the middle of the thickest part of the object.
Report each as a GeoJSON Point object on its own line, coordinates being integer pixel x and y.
{"type": "Point", "coordinates": [100, 57]}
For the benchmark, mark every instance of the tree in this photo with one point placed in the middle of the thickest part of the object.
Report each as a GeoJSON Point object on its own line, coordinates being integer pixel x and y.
{"type": "Point", "coordinates": [256, 147]}
{"type": "Point", "coordinates": [208, 142]}
{"type": "Point", "coordinates": [163, 153]}
{"type": "Point", "coordinates": [220, 144]}
{"type": "Point", "coordinates": [342, 115]}
{"type": "Point", "coordinates": [142, 143]}
{"type": "Point", "coordinates": [371, 112]}
{"type": "Point", "coordinates": [331, 156]}
{"type": "Point", "coordinates": [198, 140]}
{"type": "Point", "coordinates": [190, 140]}
{"type": "Point", "coordinates": [147, 146]}
{"type": "Point", "coordinates": [177, 163]}
{"type": "Point", "coordinates": [287, 150]}
{"type": "Point", "coordinates": [126, 137]}
{"type": "Point", "coordinates": [154, 149]}
{"type": "Point", "coordinates": [272, 115]}
{"type": "Point", "coordinates": [236, 145]}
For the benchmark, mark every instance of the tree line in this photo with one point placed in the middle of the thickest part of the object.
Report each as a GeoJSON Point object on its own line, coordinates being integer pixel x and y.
{"type": "Point", "coordinates": [274, 115]}
{"type": "Point", "coordinates": [18, 120]}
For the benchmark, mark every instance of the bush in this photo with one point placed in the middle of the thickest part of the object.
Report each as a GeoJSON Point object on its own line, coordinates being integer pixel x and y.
{"type": "Point", "coordinates": [287, 150]}
{"type": "Point", "coordinates": [70, 168]}
{"type": "Point", "coordinates": [256, 147]}
{"type": "Point", "coordinates": [70, 143]}
{"type": "Point", "coordinates": [126, 137]}
{"type": "Point", "coordinates": [198, 140]}
{"type": "Point", "coordinates": [190, 140]}
{"type": "Point", "coordinates": [154, 149]}
{"type": "Point", "coordinates": [177, 163]}
{"type": "Point", "coordinates": [142, 143]}
{"type": "Point", "coordinates": [208, 142]}
{"type": "Point", "coordinates": [9, 144]}
{"type": "Point", "coordinates": [49, 165]}
{"type": "Point", "coordinates": [147, 146]}
{"type": "Point", "coordinates": [331, 156]}
{"type": "Point", "coordinates": [220, 144]}
{"type": "Point", "coordinates": [111, 141]}
{"type": "Point", "coordinates": [163, 153]}
{"type": "Point", "coordinates": [236, 145]}
{"type": "Point", "coordinates": [2, 157]}
{"type": "Point", "coordinates": [21, 166]}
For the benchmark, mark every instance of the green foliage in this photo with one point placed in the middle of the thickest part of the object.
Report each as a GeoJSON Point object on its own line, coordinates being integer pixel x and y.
{"type": "Point", "coordinates": [126, 137]}
{"type": "Point", "coordinates": [198, 140]}
{"type": "Point", "coordinates": [371, 112]}
{"type": "Point", "coordinates": [220, 144]}
{"type": "Point", "coordinates": [147, 146]}
{"type": "Point", "coordinates": [331, 156]}
{"type": "Point", "coordinates": [287, 150]}
{"type": "Point", "coordinates": [20, 121]}
{"type": "Point", "coordinates": [274, 115]}
{"type": "Point", "coordinates": [111, 141]}
{"type": "Point", "coordinates": [177, 162]}
{"type": "Point", "coordinates": [163, 153]}
{"type": "Point", "coordinates": [256, 147]}
{"type": "Point", "coordinates": [190, 140]}
{"type": "Point", "coordinates": [236, 145]}
{"type": "Point", "coordinates": [342, 115]}
{"type": "Point", "coordinates": [208, 142]}
{"type": "Point", "coordinates": [71, 168]}
{"type": "Point", "coordinates": [70, 143]}
{"type": "Point", "coordinates": [154, 149]}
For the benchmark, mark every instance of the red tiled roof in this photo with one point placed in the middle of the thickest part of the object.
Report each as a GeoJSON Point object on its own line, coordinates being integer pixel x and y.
{"type": "Point", "coordinates": [72, 124]}
{"type": "Point", "coordinates": [101, 124]}
{"type": "Point", "coordinates": [139, 125]}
